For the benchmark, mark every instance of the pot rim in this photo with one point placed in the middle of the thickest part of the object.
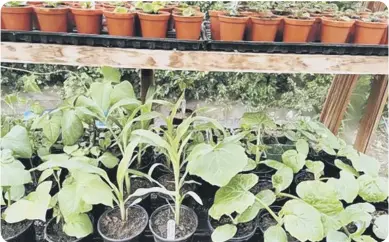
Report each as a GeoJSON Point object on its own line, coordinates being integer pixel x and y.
{"type": "Point", "coordinates": [335, 23]}
{"type": "Point", "coordinates": [111, 14]}
{"type": "Point", "coordinates": [168, 207]}
{"type": "Point", "coordinates": [299, 22]}
{"type": "Point", "coordinates": [125, 239]}
{"type": "Point", "coordinates": [241, 238]}
{"type": "Point", "coordinates": [16, 10]}
{"type": "Point", "coordinates": [82, 11]}
{"type": "Point", "coordinates": [160, 16]}
{"type": "Point", "coordinates": [215, 13]}
{"type": "Point", "coordinates": [31, 223]}
{"type": "Point", "coordinates": [197, 18]}
{"type": "Point", "coordinates": [235, 20]}
{"type": "Point", "coordinates": [264, 20]}
{"type": "Point", "coordinates": [51, 11]}
{"type": "Point", "coordinates": [48, 239]}
{"type": "Point", "coordinates": [372, 25]}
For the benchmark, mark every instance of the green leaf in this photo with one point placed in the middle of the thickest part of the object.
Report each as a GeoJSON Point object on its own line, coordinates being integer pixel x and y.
{"type": "Point", "coordinates": [70, 149]}
{"type": "Point", "coordinates": [302, 147]}
{"type": "Point", "coordinates": [380, 227]}
{"type": "Point", "coordinates": [234, 197]}
{"type": "Point", "coordinates": [330, 223]}
{"type": "Point", "coordinates": [52, 128]}
{"type": "Point", "coordinates": [345, 167]}
{"type": "Point", "coordinates": [29, 84]}
{"type": "Point", "coordinates": [94, 110]}
{"type": "Point", "coordinates": [78, 225]}
{"type": "Point", "coordinates": [364, 238]}
{"type": "Point", "coordinates": [111, 74]}
{"type": "Point", "coordinates": [367, 165]}
{"type": "Point", "coordinates": [315, 167]}
{"type": "Point", "coordinates": [336, 236]}
{"type": "Point", "coordinates": [294, 160]}
{"type": "Point", "coordinates": [224, 233]}
{"type": "Point", "coordinates": [251, 165]}
{"type": "Point", "coordinates": [33, 206]}
{"type": "Point", "coordinates": [17, 192]}
{"type": "Point", "coordinates": [266, 196]}
{"type": "Point", "coordinates": [72, 128]}
{"type": "Point", "coordinates": [13, 172]}
{"type": "Point", "coordinates": [257, 120]}
{"type": "Point", "coordinates": [131, 103]}
{"type": "Point", "coordinates": [121, 91]}
{"type": "Point", "coordinates": [275, 234]}
{"type": "Point", "coordinates": [217, 165]}
{"type": "Point", "coordinates": [346, 186]}
{"type": "Point", "coordinates": [274, 164]}
{"type": "Point", "coordinates": [302, 221]}
{"type": "Point", "coordinates": [320, 195]}
{"type": "Point", "coordinates": [148, 137]}
{"type": "Point", "coordinates": [109, 160]}
{"type": "Point", "coordinates": [69, 200]}
{"type": "Point", "coordinates": [37, 108]}
{"type": "Point", "coordinates": [357, 212]}
{"type": "Point", "coordinates": [282, 179]}
{"type": "Point", "coordinates": [45, 174]}
{"type": "Point", "coordinates": [100, 93]}
{"type": "Point", "coordinates": [373, 189]}
{"type": "Point", "coordinates": [18, 141]}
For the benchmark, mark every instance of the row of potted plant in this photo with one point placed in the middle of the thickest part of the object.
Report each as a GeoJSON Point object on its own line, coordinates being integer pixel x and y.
{"type": "Point", "coordinates": [296, 182]}
{"type": "Point", "coordinates": [304, 22]}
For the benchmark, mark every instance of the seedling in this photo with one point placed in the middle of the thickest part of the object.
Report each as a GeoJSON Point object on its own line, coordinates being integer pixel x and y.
{"type": "Point", "coordinates": [188, 12]}
{"type": "Point", "coordinates": [121, 10]}
{"type": "Point", "coordinates": [151, 8]}
{"type": "Point", "coordinates": [15, 4]}
{"type": "Point", "coordinates": [88, 5]}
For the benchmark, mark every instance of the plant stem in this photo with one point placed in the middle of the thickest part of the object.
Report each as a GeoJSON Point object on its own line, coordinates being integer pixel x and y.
{"type": "Point", "coordinates": [122, 210]}
{"type": "Point", "coordinates": [257, 148]}
{"type": "Point", "coordinates": [279, 221]}
{"type": "Point", "coordinates": [288, 195]}
{"type": "Point", "coordinates": [9, 197]}
{"type": "Point", "coordinates": [346, 230]}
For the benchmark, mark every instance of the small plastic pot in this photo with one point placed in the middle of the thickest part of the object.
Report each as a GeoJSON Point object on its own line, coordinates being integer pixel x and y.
{"type": "Point", "coordinates": [297, 30]}
{"type": "Point", "coordinates": [369, 33]}
{"type": "Point", "coordinates": [52, 19]}
{"type": "Point", "coordinates": [53, 220]}
{"type": "Point", "coordinates": [158, 237]}
{"type": "Point", "coordinates": [134, 237]}
{"type": "Point", "coordinates": [24, 235]}
{"type": "Point", "coordinates": [314, 34]}
{"type": "Point", "coordinates": [335, 32]}
{"type": "Point", "coordinates": [264, 29]}
{"type": "Point", "coordinates": [232, 28]}
{"type": "Point", "coordinates": [120, 24]}
{"type": "Point", "coordinates": [154, 25]}
{"type": "Point", "coordinates": [188, 28]}
{"type": "Point", "coordinates": [17, 18]}
{"type": "Point", "coordinates": [88, 21]}
{"type": "Point", "coordinates": [245, 237]}
{"type": "Point", "coordinates": [215, 24]}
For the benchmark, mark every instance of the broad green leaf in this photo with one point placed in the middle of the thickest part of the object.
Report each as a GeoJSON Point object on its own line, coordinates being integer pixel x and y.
{"type": "Point", "coordinates": [70, 149]}
{"type": "Point", "coordinates": [111, 74]}
{"type": "Point", "coordinates": [275, 234]}
{"type": "Point", "coordinates": [69, 200]}
{"type": "Point", "coordinates": [282, 179]}
{"type": "Point", "coordinates": [357, 212]}
{"type": "Point", "coordinates": [121, 91]}
{"type": "Point", "coordinates": [100, 93]}
{"type": "Point", "coordinates": [320, 195]}
{"type": "Point", "coordinates": [224, 233]}
{"type": "Point", "coordinates": [367, 164]}
{"type": "Point", "coordinates": [373, 189]}
{"type": "Point", "coordinates": [18, 141]}
{"type": "Point", "coordinates": [37, 108]}
{"type": "Point", "coordinates": [364, 238]}
{"type": "Point", "coordinates": [13, 172]}
{"type": "Point", "coordinates": [109, 160]}
{"type": "Point", "coordinates": [346, 186]}
{"type": "Point", "coordinates": [95, 150]}
{"type": "Point", "coordinates": [29, 84]}
{"type": "Point", "coordinates": [130, 103]}
{"type": "Point", "coordinates": [33, 206]}
{"type": "Point", "coordinates": [2, 201]}
{"type": "Point", "coordinates": [16, 192]}
{"type": "Point", "coordinates": [274, 164]}
{"type": "Point", "coordinates": [52, 128]}
{"type": "Point", "coordinates": [294, 160]}
{"type": "Point", "coordinates": [235, 196]}
{"type": "Point", "coordinates": [148, 137]}
{"type": "Point", "coordinates": [315, 167]}
{"type": "Point", "coordinates": [56, 157]}
{"type": "Point", "coordinates": [257, 120]}
{"type": "Point", "coordinates": [380, 226]}
{"type": "Point", "coordinates": [267, 197]}
{"type": "Point", "coordinates": [345, 167]}
{"type": "Point", "coordinates": [217, 165]}
{"type": "Point", "coordinates": [96, 110]}
{"type": "Point", "coordinates": [336, 236]}
{"type": "Point", "coordinates": [302, 147]}
{"type": "Point", "coordinates": [330, 223]}
{"type": "Point", "coordinates": [78, 225]}
{"type": "Point", "coordinates": [302, 221]}
{"type": "Point", "coordinates": [251, 165]}
{"type": "Point", "coordinates": [72, 128]}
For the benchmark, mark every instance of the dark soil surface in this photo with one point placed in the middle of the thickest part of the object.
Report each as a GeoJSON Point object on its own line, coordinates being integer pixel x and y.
{"type": "Point", "coordinates": [244, 229]}
{"type": "Point", "coordinates": [264, 170]}
{"type": "Point", "coordinates": [188, 223]}
{"type": "Point", "coordinates": [9, 230]}
{"type": "Point", "coordinates": [263, 184]}
{"type": "Point", "coordinates": [167, 181]}
{"type": "Point", "coordinates": [55, 232]}
{"type": "Point", "coordinates": [113, 227]}
{"type": "Point", "coordinates": [303, 176]}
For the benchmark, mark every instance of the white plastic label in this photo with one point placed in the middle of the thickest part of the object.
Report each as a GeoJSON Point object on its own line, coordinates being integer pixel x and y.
{"type": "Point", "coordinates": [171, 229]}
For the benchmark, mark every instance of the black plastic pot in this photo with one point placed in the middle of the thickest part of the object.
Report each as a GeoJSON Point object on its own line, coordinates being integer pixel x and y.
{"type": "Point", "coordinates": [135, 237]}
{"type": "Point", "coordinates": [301, 176]}
{"type": "Point", "coordinates": [166, 208]}
{"type": "Point", "coordinates": [245, 237]}
{"type": "Point", "coordinates": [52, 222]}
{"type": "Point", "coordinates": [267, 184]}
{"type": "Point", "coordinates": [27, 234]}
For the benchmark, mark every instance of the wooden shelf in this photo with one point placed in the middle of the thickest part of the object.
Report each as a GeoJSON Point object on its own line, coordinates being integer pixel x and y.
{"type": "Point", "coordinates": [192, 60]}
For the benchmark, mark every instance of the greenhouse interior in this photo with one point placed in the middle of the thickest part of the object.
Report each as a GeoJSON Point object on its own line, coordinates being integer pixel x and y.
{"type": "Point", "coordinates": [194, 121]}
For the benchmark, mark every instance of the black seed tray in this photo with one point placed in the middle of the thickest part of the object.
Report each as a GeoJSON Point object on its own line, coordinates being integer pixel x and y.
{"type": "Point", "coordinates": [103, 40]}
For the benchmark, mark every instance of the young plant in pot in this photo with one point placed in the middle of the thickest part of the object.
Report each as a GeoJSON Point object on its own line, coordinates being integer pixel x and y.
{"type": "Point", "coordinates": [120, 21]}
{"type": "Point", "coordinates": [232, 25]}
{"type": "Point", "coordinates": [16, 15]}
{"type": "Point", "coordinates": [52, 16]}
{"type": "Point", "coordinates": [370, 30]}
{"type": "Point", "coordinates": [153, 21]}
{"type": "Point", "coordinates": [188, 23]}
{"type": "Point", "coordinates": [264, 25]}
{"type": "Point", "coordinates": [216, 9]}
{"type": "Point", "coordinates": [336, 29]}
{"type": "Point", "coordinates": [88, 18]}
{"type": "Point", "coordinates": [297, 26]}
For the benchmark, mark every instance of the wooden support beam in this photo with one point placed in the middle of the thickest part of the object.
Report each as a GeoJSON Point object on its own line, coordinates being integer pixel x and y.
{"type": "Point", "coordinates": [373, 111]}
{"type": "Point", "coordinates": [337, 100]}
{"type": "Point", "coordinates": [191, 60]}
{"type": "Point", "coordinates": [146, 80]}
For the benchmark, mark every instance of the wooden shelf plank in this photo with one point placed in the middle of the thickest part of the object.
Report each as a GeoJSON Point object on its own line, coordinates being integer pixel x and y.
{"type": "Point", "coordinates": [192, 60]}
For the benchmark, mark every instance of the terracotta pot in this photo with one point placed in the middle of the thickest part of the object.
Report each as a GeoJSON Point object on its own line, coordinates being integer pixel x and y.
{"type": "Point", "coordinates": [369, 33]}
{"type": "Point", "coordinates": [364, 14]}
{"type": "Point", "coordinates": [52, 19]}
{"type": "Point", "coordinates": [188, 27]}
{"type": "Point", "coordinates": [88, 21]}
{"type": "Point", "coordinates": [71, 21]}
{"type": "Point", "coordinates": [16, 18]}
{"type": "Point", "coordinates": [384, 40]}
{"type": "Point", "coordinates": [297, 30]}
{"type": "Point", "coordinates": [120, 24]}
{"type": "Point", "coordinates": [334, 32]}
{"type": "Point", "coordinates": [232, 28]}
{"type": "Point", "coordinates": [154, 25]}
{"type": "Point", "coordinates": [169, 9]}
{"type": "Point", "coordinates": [314, 34]}
{"type": "Point", "coordinates": [265, 29]}
{"type": "Point", "coordinates": [35, 23]}
{"type": "Point", "coordinates": [215, 24]}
